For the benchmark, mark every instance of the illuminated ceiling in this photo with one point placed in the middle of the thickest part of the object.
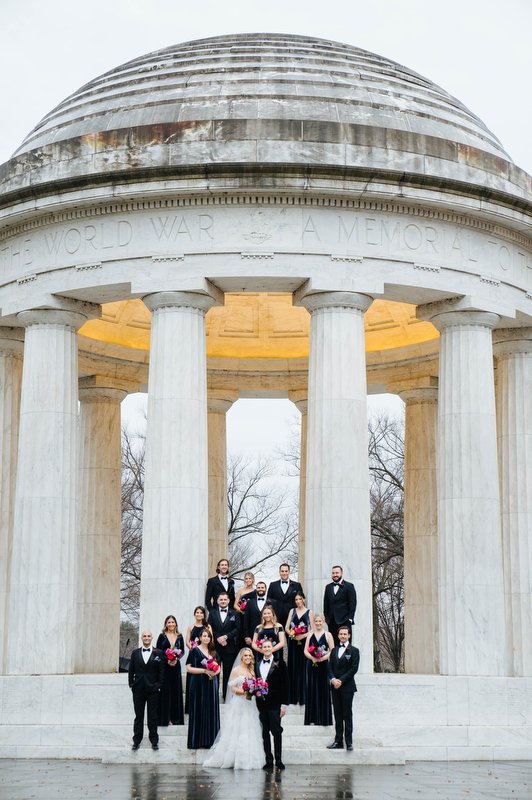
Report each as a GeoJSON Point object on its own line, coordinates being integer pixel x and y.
{"type": "Point", "coordinates": [260, 325]}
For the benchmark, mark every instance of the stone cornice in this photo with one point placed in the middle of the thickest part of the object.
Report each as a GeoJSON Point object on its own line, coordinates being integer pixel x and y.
{"type": "Point", "coordinates": [415, 210]}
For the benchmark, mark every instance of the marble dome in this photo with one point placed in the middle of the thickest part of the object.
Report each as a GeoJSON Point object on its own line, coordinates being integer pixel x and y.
{"type": "Point", "coordinates": [259, 100]}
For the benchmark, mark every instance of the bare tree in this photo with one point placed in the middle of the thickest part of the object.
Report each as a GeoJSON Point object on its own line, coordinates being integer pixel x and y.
{"type": "Point", "coordinates": [386, 464]}
{"type": "Point", "coordinates": [262, 517]}
{"type": "Point", "coordinates": [133, 458]}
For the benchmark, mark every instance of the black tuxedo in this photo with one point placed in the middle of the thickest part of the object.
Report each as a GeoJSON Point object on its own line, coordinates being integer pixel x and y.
{"type": "Point", "coordinates": [283, 602]}
{"type": "Point", "coordinates": [145, 682]}
{"type": "Point", "coordinates": [215, 588]}
{"type": "Point", "coordinates": [344, 669]}
{"type": "Point", "coordinates": [231, 629]}
{"type": "Point", "coordinates": [251, 617]}
{"type": "Point", "coordinates": [339, 609]}
{"type": "Point", "coordinates": [269, 707]}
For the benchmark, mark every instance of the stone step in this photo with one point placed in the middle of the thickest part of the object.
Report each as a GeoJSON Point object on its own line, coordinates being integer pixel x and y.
{"type": "Point", "coordinates": [291, 755]}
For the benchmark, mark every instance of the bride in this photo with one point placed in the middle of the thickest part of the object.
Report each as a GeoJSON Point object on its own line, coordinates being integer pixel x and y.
{"type": "Point", "coordinates": [239, 743]}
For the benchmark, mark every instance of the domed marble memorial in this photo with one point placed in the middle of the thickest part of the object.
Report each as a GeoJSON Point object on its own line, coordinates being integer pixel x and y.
{"type": "Point", "coordinates": [272, 215]}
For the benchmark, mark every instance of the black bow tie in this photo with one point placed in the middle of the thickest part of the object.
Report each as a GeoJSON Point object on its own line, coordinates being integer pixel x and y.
{"type": "Point", "coordinates": [284, 583]}
{"type": "Point", "coordinates": [145, 649]}
{"type": "Point", "coordinates": [223, 611]}
{"type": "Point", "coordinates": [267, 662]}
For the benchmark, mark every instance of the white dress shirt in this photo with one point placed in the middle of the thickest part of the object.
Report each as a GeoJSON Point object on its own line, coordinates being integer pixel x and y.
{"type": "Point", "coordinates": [146, 653]}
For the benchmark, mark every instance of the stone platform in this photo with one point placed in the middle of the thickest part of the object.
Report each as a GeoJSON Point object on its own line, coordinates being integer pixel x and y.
{"type": "Point", "coordinates": [397, 718]}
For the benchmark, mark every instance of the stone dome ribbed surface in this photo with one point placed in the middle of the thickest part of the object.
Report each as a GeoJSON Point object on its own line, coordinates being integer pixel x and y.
{"type": "Point", "coordinates": [262, 77]}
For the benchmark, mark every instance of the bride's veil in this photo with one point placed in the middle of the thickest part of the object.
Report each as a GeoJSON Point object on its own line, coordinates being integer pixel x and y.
{"type": "Point", "coordinates": [235, 674]}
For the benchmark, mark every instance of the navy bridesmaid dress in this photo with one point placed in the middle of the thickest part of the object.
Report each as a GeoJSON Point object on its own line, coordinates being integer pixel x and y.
{"type": "Point", "coordinates": [318, 703]}
{"type": "Point", "coordinates": [171, 696]}
{"type": "Point", "coordinates": [203, 706]}
{"type": "Point", "coordinates": [297, 662]}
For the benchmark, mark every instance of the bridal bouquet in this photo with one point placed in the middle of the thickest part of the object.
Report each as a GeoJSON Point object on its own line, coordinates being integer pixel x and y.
{"type": "Point", "coordinates": [255, 686]}
{"type": "Point", "coordinates": [211, 664]}
{"type": "Point", "coordinates": [242, 604]}
{"type": "Point", "coordinates": [317, 652]}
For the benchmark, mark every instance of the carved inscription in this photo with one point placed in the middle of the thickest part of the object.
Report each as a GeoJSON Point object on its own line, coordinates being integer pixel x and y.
{"type": "Point", "coordinates": [175, 228]}
{"type": "Point", "coordinates": [342, 235]}
{"type": "Point", "coordinates": [89, 238]}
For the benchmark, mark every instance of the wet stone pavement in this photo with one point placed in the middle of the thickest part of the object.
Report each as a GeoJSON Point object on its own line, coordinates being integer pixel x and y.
{"type": "Point", "coordinates": [49, 780]}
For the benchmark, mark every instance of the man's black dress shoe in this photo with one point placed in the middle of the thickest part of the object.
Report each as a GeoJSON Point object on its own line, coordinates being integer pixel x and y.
{"type": "Point", "coordinates": [135, 746]}
{"type": "Point", "coordinates": [335, 746]}
{"type": "Point", "coordinates": [280, 765]}
{"type": "Point", "coordinates": [155, 746]}
{"type": "Point", "coordinates": [268, 767]}
{"type": "Point", "coordinates": [349, 747]}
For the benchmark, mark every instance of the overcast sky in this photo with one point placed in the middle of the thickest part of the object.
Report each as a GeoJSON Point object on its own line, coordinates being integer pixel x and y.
{"type": "Point", "coordinates": [478, 50]}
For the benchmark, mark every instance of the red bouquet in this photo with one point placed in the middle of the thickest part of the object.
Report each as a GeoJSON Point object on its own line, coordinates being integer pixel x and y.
{"type": "Point", "coordinates": [318, 652]}
{"type": "Point", "coordinates": [211, 664]}
{"type": "Point", "coordinates": [298, 630]}
{"type": "Point", "coordinates": [242, 604]}
{"type": "Point", "coordinates": [172, 654]}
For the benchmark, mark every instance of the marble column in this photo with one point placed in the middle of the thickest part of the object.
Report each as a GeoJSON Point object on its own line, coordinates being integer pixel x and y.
{"type": "Point", "coordinates": [513, 351]}
{"type": "Point", "coordinates": [98, 575]}
{"type": "Point", "coordinates": [218, 404]}
{"type": "Point", "coordinates": [43, 565]}
{"type": "Point", "coordinates": [11, 347]}
{"type": "Point", "coordinates": [470, 553]}
{"type": "Point", "coordinates": [337, 518]}
{"type": "Point", "coordinates": [300, 400]}
{"type": "Point", "coordinates": [175, 530]}
{"type": "Point", "coordinates": [420, 527]}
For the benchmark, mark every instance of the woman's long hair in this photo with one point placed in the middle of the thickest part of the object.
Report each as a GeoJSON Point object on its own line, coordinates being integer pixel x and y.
{"type": "Point", "coordinates": [210, 647]}
{"type": "Point", "coordinates": [274, 617]}
{"type": "Point", "coordinates": [170, 616]}
{"type": "Point", "coordinates": [252, 665]}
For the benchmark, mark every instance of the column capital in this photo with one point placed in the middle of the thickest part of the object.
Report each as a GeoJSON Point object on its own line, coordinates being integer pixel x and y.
{"type": "Point", "coordinates": [416, 390]}
{"type": "Point", "coordinates": [450, 313]}
{"type": "Point", "coordinates": [299, 398]}
{"type": "Point", "coordinates": [60, 311]}
{"type": "Point", "coordinates": [319, 300]}
{"type": "Point", "coordinates": [101, 388]}
{"type": "Point", "coordinates": [202, 301]}
{"type": "Point", "coordinates": [219, 401]}
{"type": "Point", "coordinates": [11, 340]}
{"type": "Point", "coordinates": [508, 341]}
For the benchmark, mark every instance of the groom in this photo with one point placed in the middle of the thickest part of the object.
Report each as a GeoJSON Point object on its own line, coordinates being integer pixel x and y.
{"type": "Point", "coordinates": [272, 707]}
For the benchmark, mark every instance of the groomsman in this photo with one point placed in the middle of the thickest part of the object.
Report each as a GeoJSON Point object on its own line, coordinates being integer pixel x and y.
{"type": "Point", "coordinates": [253, 611]}
{"type": "Point", "coordinates": [221, 582]}
{"type": "Point", "coordinates": [145, 676]}
{"type": "Point", "coordinates": [226, 629]}
{"type": "Point", "coordinates": [282, 593]}
{"type": "Point", "coordinates": [339, 603]}
{"type": "Point", "coordinates": [342, 666]}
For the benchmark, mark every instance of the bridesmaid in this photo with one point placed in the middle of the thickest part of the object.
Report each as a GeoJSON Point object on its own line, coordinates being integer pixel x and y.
{"type": "Point", "coordinates": [270, 629]}
{"type": "Point", "coordinates": [301, 619]}
{"type": "Point", "coordinates": [318, 703]}
{"type": "Point", "coordinates": [192, 637]}
{"type": "Point", "coordinates": [204, 708]}
{"type": "Point", "coordinates": [171, 697]}
{"type": "Point", "coordinates": [247, 592]}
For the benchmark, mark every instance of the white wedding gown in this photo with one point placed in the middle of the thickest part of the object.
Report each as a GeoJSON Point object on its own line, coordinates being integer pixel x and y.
{"type": "Point", "coordinates": [239, 742]}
